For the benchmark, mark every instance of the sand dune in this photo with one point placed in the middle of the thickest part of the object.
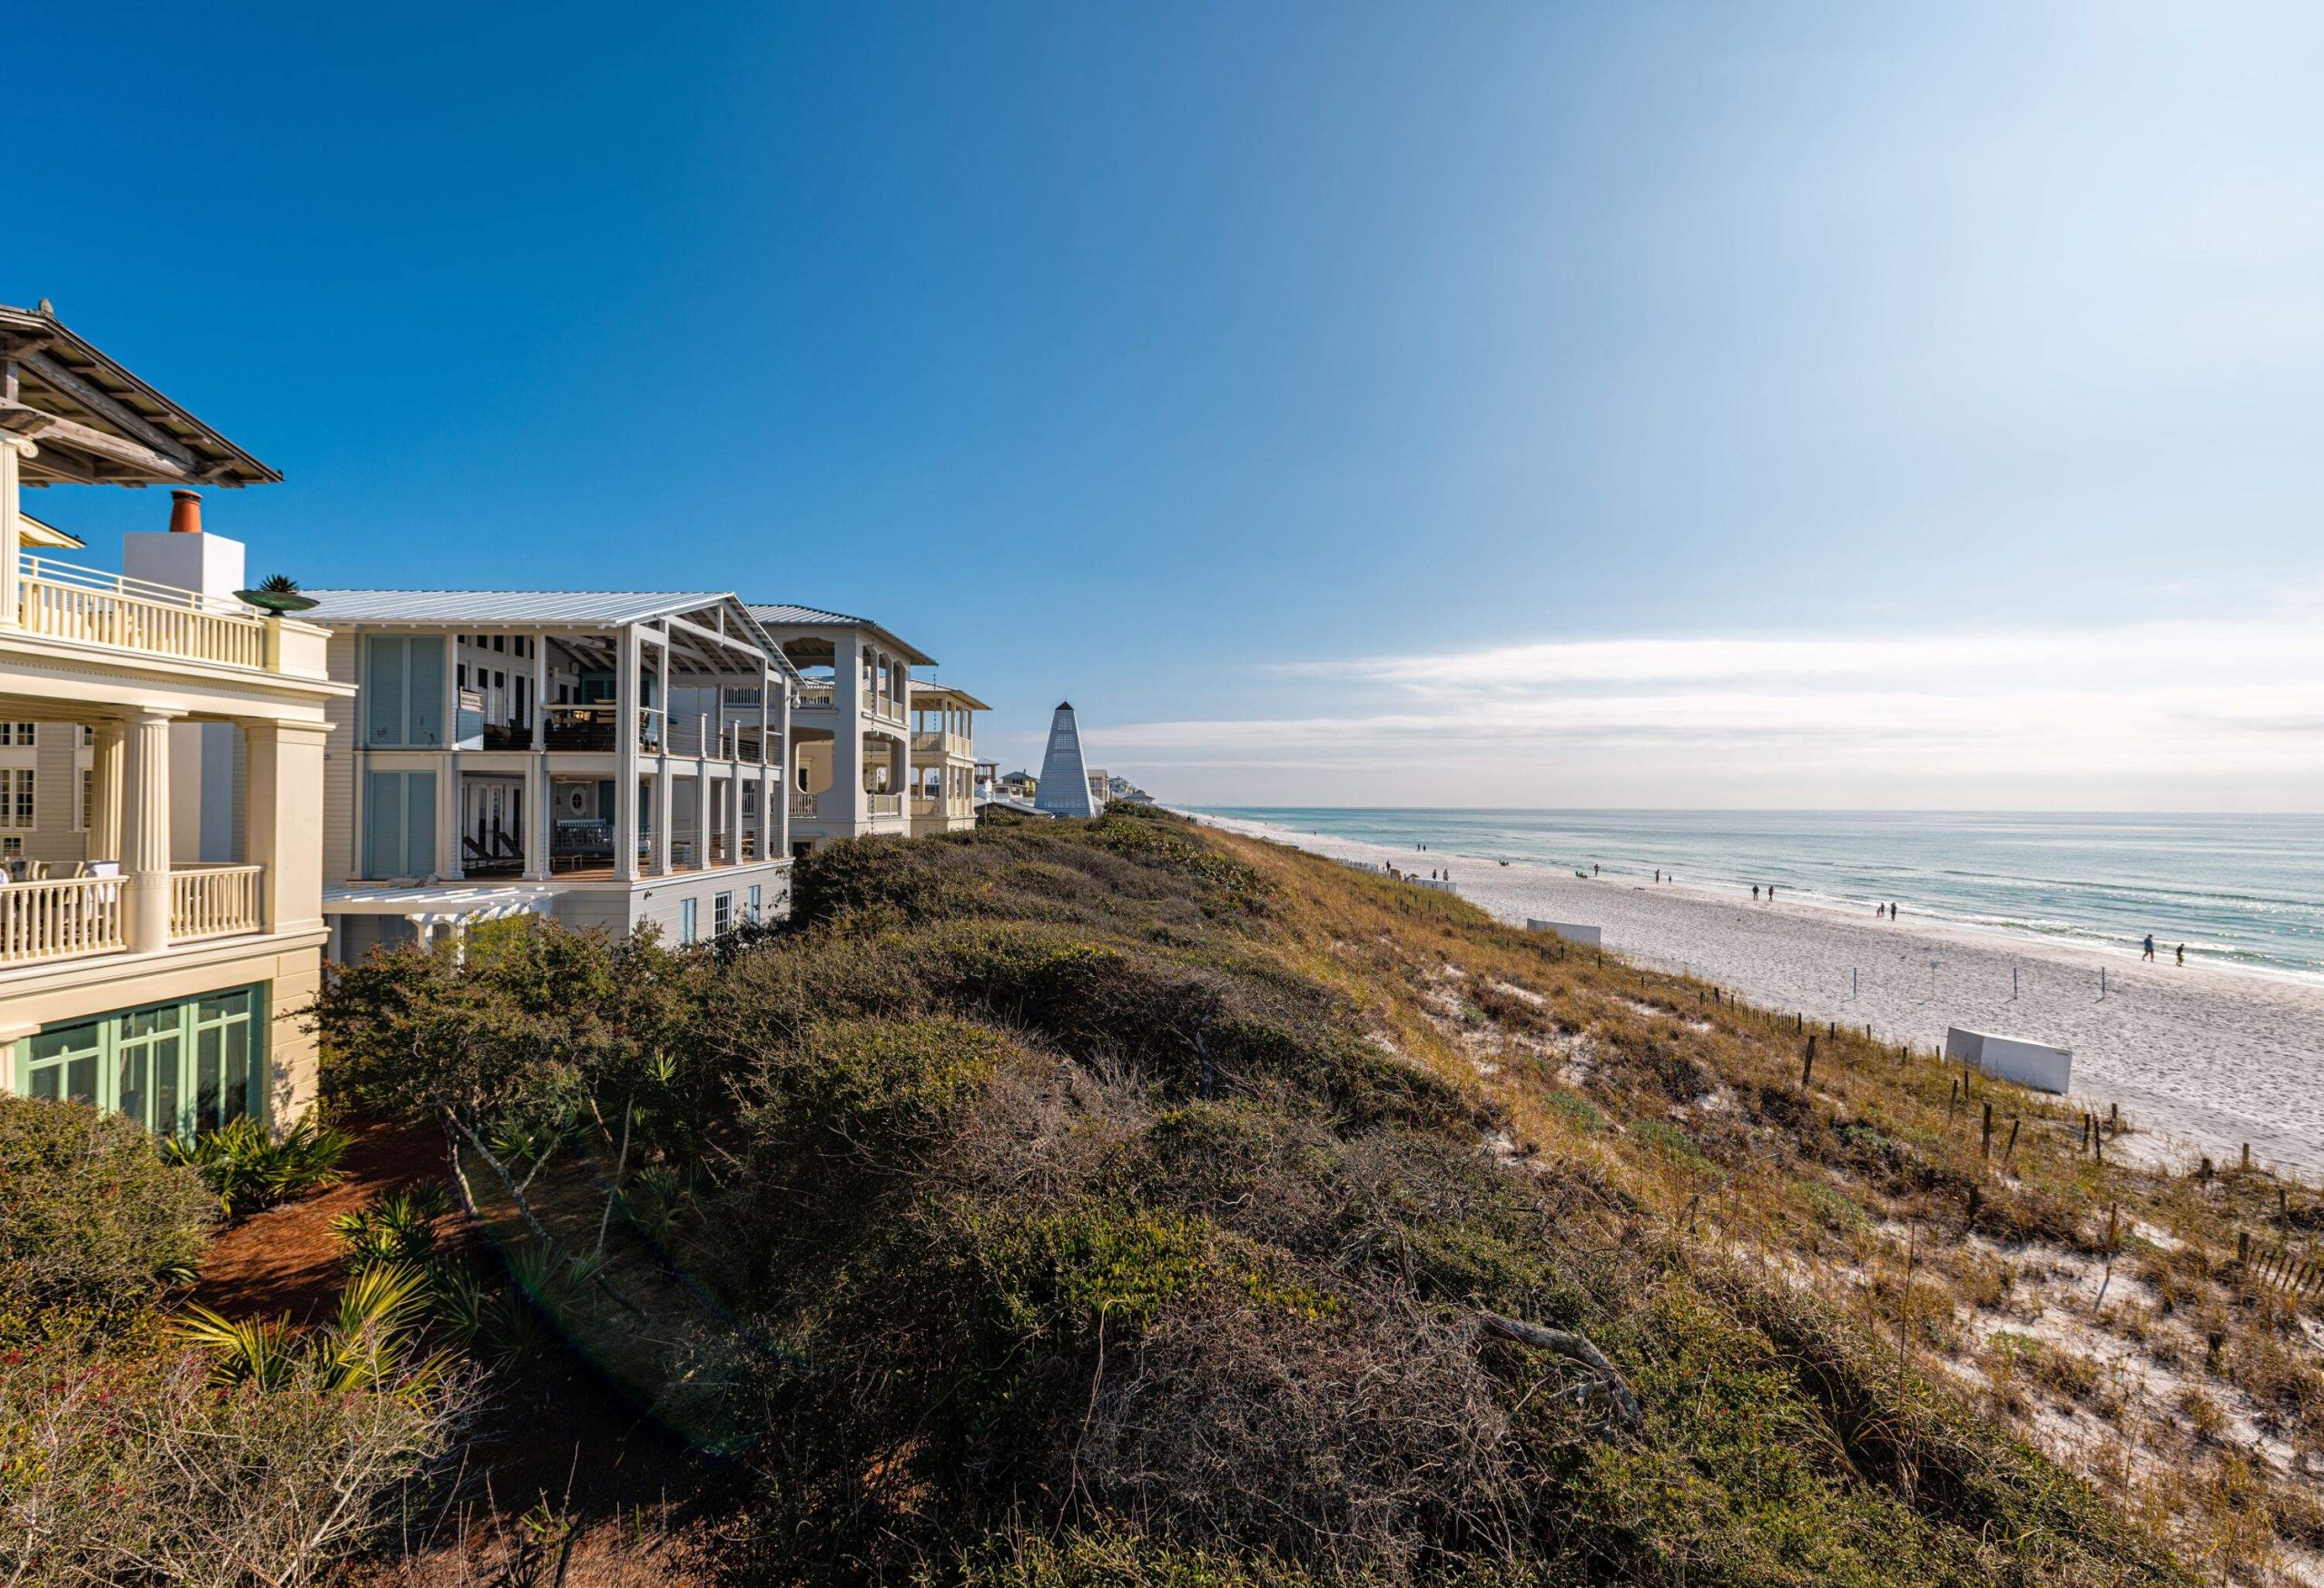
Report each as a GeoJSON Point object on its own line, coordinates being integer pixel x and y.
{"type": "Point", "coordinates": [2203, 1060]}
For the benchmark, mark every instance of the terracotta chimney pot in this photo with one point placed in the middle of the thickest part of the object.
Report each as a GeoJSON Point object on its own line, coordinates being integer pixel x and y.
{"type": "Point", "coordinates": [185, 512]}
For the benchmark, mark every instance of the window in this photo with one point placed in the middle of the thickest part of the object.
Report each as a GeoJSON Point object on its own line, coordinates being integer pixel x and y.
{"type": "Point", "coordinates": [722, 914]}
{"type": "Point", "coordinates": [18, 735]}
{"type": "Point", "coordinates": [751, 905]}
{"type": "Point", "coordinates": [460, 675]}
{"type": "Point", "coordinates": [400, 824]}
{"type": "Point", "coordinates": [404, 690]}
{"type": "Point", "coordinates": [88, 799]}
{"type": "Point", "coordinates": [17, 801]}
{"type": "Point", "coordinates": [177, 1069]}
{"type": "Point", "coordinates": [687, 930]}
{"type": "Point", "coordinates": [500, 643]}
{"type": "Point", "coordinates": [88, 737]}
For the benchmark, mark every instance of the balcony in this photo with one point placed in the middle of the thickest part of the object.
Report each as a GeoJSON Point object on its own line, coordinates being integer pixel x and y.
{"type": "Point", "coordinates": [63, 601]}
{"type": "Point", "coordinates": [66, 918]}
{"type": "Point", "coordinates": [929, 742]}
{"type": "Point", "coordinates": [883, 805]}
{"type": "Point", "coordinates": [214, 901]}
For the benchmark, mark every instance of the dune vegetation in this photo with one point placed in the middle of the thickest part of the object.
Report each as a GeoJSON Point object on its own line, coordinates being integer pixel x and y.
{"type": "Point", "coordinates": [1121, 1202]}
{"type": "Point", "coordinates": [1124, 1202]}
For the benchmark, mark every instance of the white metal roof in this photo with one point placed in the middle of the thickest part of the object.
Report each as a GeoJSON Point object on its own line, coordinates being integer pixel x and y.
{"type": "Point", "coordinates": [785, 612]}
{"type": "Point", "coordinates": [608, 607]}
{"type": "Point", "coordinates": [784, 615]}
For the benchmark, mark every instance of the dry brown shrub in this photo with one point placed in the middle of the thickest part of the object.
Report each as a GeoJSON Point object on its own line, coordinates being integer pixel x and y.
{"type": "Point", "coordinates": [1371, 1440]}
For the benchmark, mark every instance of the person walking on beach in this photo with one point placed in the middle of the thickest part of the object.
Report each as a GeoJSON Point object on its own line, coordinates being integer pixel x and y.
{"type": "Point", "coordinates": [1754, 892]}
{"type": "Point", "coordinates": [2149, 954]}
{"type": "Point", "coordinates": [2183, 954]}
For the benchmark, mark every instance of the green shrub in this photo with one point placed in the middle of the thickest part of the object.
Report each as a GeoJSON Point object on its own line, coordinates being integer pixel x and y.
{"type": "Point", "coordinates": [874, 1089]}
{"type": "Point", "coordinates": [247, 1167]}
{"type": "Point", "coordinates": [91, 1217]}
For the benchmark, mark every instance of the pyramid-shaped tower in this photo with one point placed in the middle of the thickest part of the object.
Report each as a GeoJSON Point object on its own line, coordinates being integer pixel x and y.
{"type": "Point", "coordinates": [1065, 776]}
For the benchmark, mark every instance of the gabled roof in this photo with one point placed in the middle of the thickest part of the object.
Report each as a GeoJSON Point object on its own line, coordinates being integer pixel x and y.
{"type": "Point", "coordinates": [785, 612]}
{"type": "Point", "coordinates": [95, 423]}
{"type": "Point", "coordinates": [608, 608]}
{"type": "Point", "coordinates": [780, 616]}
{"type": "Point", "coordinates": [930, 692]}
{"type": "Point", "coordinates": [551, 610]}
{"type": "Point", "coordinates": [32, 532]}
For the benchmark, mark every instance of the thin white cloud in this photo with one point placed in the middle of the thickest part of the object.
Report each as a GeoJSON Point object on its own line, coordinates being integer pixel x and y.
{"type": "Point", "coordinates": [2218, 714]}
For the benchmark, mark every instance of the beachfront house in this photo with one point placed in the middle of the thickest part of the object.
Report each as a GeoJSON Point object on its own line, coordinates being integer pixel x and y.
{"type": "Point", "coordinates": [161, 794]}
{"type": "Point", "coordinates": [613, 760]}
{"type": "Point", "coordinates": [943, 758]}
{"type": "Point", "coordinates": [850, 751]}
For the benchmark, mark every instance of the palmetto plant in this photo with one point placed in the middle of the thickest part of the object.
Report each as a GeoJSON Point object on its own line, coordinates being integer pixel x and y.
{"type": "Point", "coordinates": [247, 1168]}
{"type": "Point", "coordinates": [372, 1343]}
{"type": "Point", "coordinates": [399, 1229]}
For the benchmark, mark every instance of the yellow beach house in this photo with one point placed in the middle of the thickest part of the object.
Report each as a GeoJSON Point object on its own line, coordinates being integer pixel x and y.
{"type": "Point", "coordinates": [160, 795]}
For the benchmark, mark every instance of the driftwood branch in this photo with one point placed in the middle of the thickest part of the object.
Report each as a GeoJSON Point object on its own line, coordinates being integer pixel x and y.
{"type": "Point", "coordinates": [1574, 1348]}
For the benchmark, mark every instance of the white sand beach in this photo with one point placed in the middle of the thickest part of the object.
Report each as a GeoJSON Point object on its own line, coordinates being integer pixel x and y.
{"type": "Point", "coordinates": [2201, 1059]}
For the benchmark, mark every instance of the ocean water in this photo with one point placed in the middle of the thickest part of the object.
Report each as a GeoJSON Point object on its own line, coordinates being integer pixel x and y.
{"type": "Point", "coordinates": [2246, 890]}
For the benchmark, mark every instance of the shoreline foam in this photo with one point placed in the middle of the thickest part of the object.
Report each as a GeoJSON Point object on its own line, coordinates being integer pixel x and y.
{"type": "Point", "coordinates": [2212, 1056]}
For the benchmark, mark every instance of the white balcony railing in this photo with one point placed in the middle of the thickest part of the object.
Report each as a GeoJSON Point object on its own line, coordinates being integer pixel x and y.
{"type": "Point", "coordinates": [61, 601]}
{"type": "Point", "coordinates": [884, 805]}
{"type": "Point", "coordinates": [929, 741]}
{"type": "Point", "coordinates": [805, 804]}
{"type": "Point", "coordinates": [814, 697]}
{"type": "Point", "coordinates": [64, 918]}
{"type": "Point", "coordinates": [61, 919]}
{"type": "Point", "coordinates": [214, 901]}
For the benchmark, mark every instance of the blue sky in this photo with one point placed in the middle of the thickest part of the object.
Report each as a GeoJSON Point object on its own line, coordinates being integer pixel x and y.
{"type": "Point", "coordinates": [1796, 405]}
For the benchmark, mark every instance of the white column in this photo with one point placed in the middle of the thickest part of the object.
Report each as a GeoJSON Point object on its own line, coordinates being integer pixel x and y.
{"type": "Point", "coordinates": [701, 814]}
{"type": "Point", "coordinates": [145, 831]}
{"type": "Point", "coordinates": [13, 450]}
{"type": "Point", "coordinates": [625, 769]}
{"type": "Point", "coordinates": [662, 789]}
{"type": "Point", "coordinates": [540, 693]}
{"type": "Point", "coordinates": [109, 764]}
{"type": "Point", "coordinates": [852, 699]}
{"type": "Point", "coordinates": [282, 814]}
{"type": "Point", "coordinates": [776, 811]}
{"type": "Point", "coordinates": [537, 816]}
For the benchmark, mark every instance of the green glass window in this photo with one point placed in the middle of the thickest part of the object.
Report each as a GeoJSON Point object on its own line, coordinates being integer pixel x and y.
{"type": "Point", "coordinates": [62, 1062]}
{"type": "Point", "coordinates": [177, 1069]}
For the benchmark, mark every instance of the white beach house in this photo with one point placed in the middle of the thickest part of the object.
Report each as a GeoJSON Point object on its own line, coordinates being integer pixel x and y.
{"type": "Point", "coordinates": [160, 795]}
{"type": "Point", "coordinates": [611, 759]}
{"type": "Point", "coordinates": [850, 755]}
{"type": "Point", "coordinates": [943, 758]}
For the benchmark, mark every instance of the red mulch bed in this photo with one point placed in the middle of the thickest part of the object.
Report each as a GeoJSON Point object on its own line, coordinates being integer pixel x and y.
{"type": "Point", "coordinates": [286, 1260]}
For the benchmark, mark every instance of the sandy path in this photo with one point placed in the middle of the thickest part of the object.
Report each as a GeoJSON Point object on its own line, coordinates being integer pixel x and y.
{"type": "Point", "coordinates": [2214, 1058]}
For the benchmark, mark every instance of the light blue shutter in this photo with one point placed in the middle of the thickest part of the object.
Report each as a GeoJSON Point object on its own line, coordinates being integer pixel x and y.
{"type": "Point", "coordinates": [425, 682]}
{"type": "Point", "coordinates": [383, 825]}
{"type": "Point", "coordinates": [420, 823]}
{"type": "Point", "coordinates": [383, 688]}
